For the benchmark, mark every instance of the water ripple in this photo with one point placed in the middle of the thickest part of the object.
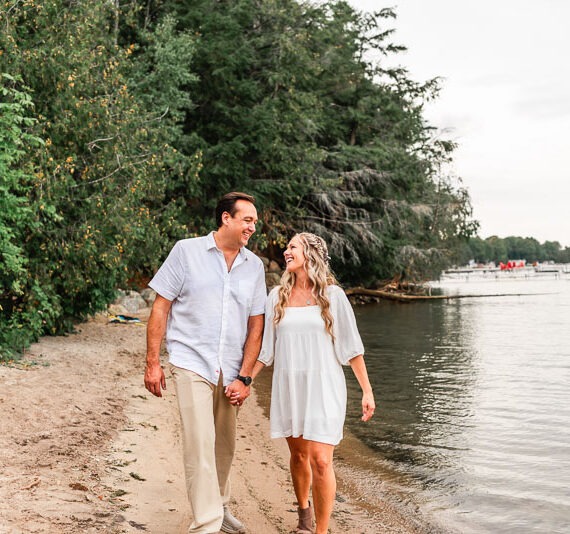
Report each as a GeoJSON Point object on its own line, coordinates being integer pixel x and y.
{"type": "Point", "coordinates": [474, 404]}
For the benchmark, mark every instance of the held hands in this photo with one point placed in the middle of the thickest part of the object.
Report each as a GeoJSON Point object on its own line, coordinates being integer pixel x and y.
{"type": "Point", "coordinates": [368, 406]}
{"type": "Point", "coordinates": [237, 392]}
{"type": "Point", "coordinates": [154, 379]}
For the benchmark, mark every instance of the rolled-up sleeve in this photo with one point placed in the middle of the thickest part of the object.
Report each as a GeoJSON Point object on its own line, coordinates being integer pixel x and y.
{"type": "Point", "coordinates": [260, 293]}
{"type": "Point", "coordinates": [347, 343]}
{"type": "Point", "coordinates": [169, 279]}
{"type": "Point", "coordinates": [267, 353]}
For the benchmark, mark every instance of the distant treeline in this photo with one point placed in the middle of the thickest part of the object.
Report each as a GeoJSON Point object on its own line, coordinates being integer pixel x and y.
{"type": "Point", "coordinates": [121, 123]}
{"type": "Point", "coordinates": [496, 249]}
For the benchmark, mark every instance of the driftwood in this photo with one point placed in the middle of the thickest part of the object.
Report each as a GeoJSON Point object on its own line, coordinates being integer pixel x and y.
{"type": "Point", "coordinates": [402, 297]}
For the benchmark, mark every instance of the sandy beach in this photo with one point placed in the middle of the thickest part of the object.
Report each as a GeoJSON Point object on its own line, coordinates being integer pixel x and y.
{"type": "Point", "coordinates": [85, 448]}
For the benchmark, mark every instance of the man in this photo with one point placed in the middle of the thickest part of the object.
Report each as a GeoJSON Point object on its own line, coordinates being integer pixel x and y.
{"type": "Point", "coordinates": [210, 303]}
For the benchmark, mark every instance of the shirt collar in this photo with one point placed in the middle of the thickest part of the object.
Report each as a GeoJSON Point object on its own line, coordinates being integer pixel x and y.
{"type": "Point", "coordinates": [210, 241]}
{"type": "Point", "coordinates": [211, 244]}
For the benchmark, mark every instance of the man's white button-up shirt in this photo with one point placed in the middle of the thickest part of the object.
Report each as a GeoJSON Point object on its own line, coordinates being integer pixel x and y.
{"type": "Point", "coordinates": [207, 325]}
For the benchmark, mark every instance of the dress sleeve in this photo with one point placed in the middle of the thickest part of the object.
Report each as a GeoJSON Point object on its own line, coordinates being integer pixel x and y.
{"type": "Point", "coordinates": [347, 343]}
{"type": "Point", "coordinates": [267, 353]}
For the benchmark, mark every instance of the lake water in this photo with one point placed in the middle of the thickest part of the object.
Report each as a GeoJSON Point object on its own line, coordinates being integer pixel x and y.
{"type": "Point", "coordinates": [473, 395]}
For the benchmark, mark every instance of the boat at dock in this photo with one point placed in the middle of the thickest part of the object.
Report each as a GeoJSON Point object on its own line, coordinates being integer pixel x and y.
{"type": "Point", "coordinates": [508, 272]}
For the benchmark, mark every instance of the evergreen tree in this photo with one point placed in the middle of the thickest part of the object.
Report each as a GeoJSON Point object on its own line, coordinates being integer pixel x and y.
{"type": "Point", "coordinates": [289, 107]}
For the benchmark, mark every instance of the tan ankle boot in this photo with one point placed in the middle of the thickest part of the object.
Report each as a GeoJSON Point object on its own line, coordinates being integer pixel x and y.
{"type": "Point", "coordinates": [305, 525]}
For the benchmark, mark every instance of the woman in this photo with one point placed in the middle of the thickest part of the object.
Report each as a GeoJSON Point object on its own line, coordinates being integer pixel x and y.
{"type": "Point", "coordinates": [310, 332]}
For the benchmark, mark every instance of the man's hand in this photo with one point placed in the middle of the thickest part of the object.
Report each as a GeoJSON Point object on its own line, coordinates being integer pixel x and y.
{"type": "Point", "coordinates": [155, 330]}
{"type": "Point", "coordinates": [237, 392]}
{"type": "Point", "coordinates": [154, 379]}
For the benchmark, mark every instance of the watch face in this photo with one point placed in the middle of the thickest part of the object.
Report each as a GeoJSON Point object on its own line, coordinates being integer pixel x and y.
{"type": "Point", "coordinates": [245, 379]}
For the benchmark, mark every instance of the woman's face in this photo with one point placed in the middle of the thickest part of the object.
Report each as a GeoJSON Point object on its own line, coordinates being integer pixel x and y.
{"type": "Point", "coordinates": [294, 257]}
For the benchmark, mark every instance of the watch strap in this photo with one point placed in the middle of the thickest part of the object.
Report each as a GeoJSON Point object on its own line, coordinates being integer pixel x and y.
{"type": "Point", "coordinates": [247, 380]}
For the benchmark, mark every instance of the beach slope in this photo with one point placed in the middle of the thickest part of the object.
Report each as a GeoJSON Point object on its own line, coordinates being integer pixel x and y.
{"type": "Point", "coordinates": [85, 448]}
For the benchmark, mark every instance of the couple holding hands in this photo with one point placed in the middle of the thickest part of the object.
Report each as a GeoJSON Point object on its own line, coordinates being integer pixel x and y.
{"type": "Point", "coordinates": [221, 330]}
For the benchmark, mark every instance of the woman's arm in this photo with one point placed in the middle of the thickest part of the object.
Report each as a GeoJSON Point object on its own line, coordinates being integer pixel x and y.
{"type": "Point", "coordinates": [359, 369]}
{"type": "Point", "coordinates": [257, 368]}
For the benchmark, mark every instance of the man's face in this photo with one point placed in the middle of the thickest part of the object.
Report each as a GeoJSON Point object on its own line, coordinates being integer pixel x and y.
{"type": "Point", "coordinates": [242, 224]}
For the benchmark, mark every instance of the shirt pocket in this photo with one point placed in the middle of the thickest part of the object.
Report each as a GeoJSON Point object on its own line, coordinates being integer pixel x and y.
{"type": "Point", "coordinates": [245, 294]}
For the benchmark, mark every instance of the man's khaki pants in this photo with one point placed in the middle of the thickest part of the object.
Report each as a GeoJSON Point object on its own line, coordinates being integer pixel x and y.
{"type": "Point", "coordinates": [208, 439]}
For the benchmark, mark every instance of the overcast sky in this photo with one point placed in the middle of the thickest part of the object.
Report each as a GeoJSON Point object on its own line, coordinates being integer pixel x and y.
{"type": "Point", "coordinates": [505, 101]}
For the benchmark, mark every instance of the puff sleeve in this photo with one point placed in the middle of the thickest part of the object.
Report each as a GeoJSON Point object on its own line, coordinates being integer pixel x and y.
{"type": "Point", "coordinates": [267, 353]}
{"type": "Point", "coordinates": [348, 343]}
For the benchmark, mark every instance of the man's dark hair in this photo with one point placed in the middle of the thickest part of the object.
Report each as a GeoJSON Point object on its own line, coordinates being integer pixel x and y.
{"type": "Point", "coordinates": [228, 203]}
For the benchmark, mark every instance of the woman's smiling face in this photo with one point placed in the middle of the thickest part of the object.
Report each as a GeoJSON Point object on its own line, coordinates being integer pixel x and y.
{"type": "Point", "coordinates": [294, 256]}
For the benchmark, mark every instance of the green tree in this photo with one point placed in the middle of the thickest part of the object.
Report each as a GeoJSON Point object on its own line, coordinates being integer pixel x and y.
{"type": "Point", "coordinates": [498, 249]}
{"type": "Point", "coordinates": [15, 212]}
{"type": "Point", "coordinates": [564, 255]}
{"type": "Point", "coordinates": [150, 110]}
{"type": "Point", "coordinates": [161, 79]}
{"type": "Point", "coordinates": [106, 162]}
{"type": "Point", "coordinates": [289, 107]}
{"type": "Point", "coordinates": [24, 307]}
{"type": "Point", "coordinates": [551, 250]}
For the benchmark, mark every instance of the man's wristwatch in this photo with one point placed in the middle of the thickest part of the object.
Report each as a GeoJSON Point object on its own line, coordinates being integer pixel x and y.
{"type": "Point", "coordinates": [247, 380]}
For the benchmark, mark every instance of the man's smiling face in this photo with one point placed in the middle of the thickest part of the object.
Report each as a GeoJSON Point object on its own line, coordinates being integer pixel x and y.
{"type": "Point", "coordinates": [242, 225]}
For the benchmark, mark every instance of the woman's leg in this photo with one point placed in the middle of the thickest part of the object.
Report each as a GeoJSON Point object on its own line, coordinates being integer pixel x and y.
{"type": "Point", "coordinates": [324, 482]}
{"type": "Point", "coordinates": [300, 469]}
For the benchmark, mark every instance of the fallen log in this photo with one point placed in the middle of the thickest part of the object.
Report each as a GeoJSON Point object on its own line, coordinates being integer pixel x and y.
{"type": "Point", "coordinates": [402, 297]}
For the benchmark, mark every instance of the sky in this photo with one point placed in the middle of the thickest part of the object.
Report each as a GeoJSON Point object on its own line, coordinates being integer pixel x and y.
{"type": "Point", "coordinates": [505, 99]}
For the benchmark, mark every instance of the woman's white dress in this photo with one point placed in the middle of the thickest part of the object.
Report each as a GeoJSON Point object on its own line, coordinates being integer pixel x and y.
{"type": "Point", "coordinates": [308, 396]}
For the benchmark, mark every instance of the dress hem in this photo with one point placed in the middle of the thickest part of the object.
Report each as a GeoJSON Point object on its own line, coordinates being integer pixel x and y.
{"type": "Point", "coordinates": [307, 437]}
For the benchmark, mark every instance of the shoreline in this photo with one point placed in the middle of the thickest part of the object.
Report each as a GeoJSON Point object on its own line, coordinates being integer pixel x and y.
{"type": "Point", "coordinates": [88, 449]}
{"type": "Point", "coordinates": [370, 488]}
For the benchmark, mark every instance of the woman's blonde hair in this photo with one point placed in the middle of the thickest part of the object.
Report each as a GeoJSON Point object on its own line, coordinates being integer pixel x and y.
{"type": "Point", "coordinates": [319, 274]}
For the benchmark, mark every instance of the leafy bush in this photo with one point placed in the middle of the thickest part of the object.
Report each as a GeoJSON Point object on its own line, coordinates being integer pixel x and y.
{"type": "Point", "coordinates": [87, 209]}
